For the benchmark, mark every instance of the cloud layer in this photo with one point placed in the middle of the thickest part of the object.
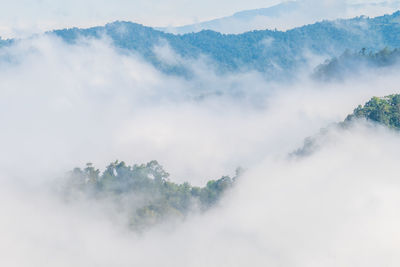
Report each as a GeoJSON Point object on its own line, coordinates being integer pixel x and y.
{"type": "Point", "coordinates": [63, 105]}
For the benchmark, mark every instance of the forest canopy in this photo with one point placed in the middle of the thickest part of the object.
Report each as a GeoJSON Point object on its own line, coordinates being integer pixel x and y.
{"type": "Point", "coordinates": [145, 191]}
{"type": "Point", "coordinates": [383, 110]}
{"type": "Point", "coordinates": [350, 63]}
{"type": "Point", "coordinates": [380, 110]}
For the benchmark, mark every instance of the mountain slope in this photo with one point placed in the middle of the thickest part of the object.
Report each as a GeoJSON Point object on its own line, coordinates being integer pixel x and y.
{"type": "Point", "coordinates": [287, 15]}
{"type": "Point", "coordinates": [144, 192]}
{"type": "Point", "coordinates": [275, 53]}
{"type": "Point", "coordinates": [378, 110]}
{"type": "Point", "coordinates": [382, 110]}
{"type": "Point", "coordinates": [240, 22]}
{"type": "Point", "coordinates": [350, 64]}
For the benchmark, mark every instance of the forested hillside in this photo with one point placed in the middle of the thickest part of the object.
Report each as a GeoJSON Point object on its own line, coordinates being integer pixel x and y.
{"type": "Point", "coordinates": [145, 191]}
{"type": "Point", "coordinates": [382, 110]}
{"type": "Point", "coordinates": [147, 194]}
{"type": "Point", "coordinates": [274, 53]}
{"type": "Point", "coordinates": [351, 64]}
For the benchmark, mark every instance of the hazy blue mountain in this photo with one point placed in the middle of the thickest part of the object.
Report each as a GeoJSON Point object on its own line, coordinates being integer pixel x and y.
{"type": "Point", "coordinates": [4, 42]}
{"type": "Point", "coordinates": [241, 21]}
{"type": "Point", "coordinates": [287, 15]}
{"type": "Point", "coordinates": [275, 53]}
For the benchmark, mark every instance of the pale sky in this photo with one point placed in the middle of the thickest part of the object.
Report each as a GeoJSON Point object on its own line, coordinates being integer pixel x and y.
{"type": "Point", "coordinates": [24, 17]}
{"type": "Point", "coordinates": [19, 16]}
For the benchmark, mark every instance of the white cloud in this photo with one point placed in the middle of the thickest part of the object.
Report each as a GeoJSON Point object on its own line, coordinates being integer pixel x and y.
{"type": "Point", "coordinates": [64, 105]}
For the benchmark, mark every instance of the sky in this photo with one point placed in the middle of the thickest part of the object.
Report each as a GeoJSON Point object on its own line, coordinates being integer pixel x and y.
{"type": "Point", "coordinates": [20, 18]}
{"type": "Point", "coordinates": [27, 15]}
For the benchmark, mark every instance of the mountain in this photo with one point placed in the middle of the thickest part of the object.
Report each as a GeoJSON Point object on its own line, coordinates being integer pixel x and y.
{"type": "Point", "coordinates": [147, 195]}
{"type": "Point", "coordinates": [240, 22]}
{"type": "Point", "coordinates": [379, 110]}
{"type": "Point", "coordinates": [277, 54]}
{"type": "Point", "coordinates": [351, 64]}
{"type": "Point", "coordinates": [144, 192]}
{"type": "Point", "coordinates": [382, 110]}
{"type": "Point", "coordinates": [287, 15]}
{"type": "Point", "coordinates": [4, 42]}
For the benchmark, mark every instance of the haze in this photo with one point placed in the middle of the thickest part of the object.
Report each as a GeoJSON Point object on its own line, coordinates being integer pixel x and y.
{"type": "Point", "coordinates": [22, 18]}
{"type": "Point", "coordinates": [63, 105]}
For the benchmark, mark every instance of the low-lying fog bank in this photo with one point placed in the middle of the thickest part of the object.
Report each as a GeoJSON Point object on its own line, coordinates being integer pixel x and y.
{"type": "Point", "coordinates": [65, 105]}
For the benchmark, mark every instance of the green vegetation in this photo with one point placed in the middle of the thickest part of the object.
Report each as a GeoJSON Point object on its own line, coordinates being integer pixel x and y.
{"type": "Point", "coordinates": [273, 53]}
{"type": "Point", "coordinates": [384, 110]}
{"type": "Point", "coordinates": [145, 191]}
{"type": "Point", "coordinates": [353, 63]}
{"type": "Point", "coordinates": [278, 55]}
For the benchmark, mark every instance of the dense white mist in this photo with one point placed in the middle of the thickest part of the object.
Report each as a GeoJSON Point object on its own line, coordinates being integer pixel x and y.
{"type": "Point", "coordinates": [64, 105]}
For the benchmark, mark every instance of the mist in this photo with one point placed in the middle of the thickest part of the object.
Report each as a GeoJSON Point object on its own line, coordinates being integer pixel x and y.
{"type": "Point", "coordinates": [65, 105]}
{"type": "Point", "coordinates": [23, 18]}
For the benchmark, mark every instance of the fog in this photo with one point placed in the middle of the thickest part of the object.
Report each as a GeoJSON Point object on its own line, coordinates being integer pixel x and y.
{"type": "Point", "coordinates": [290, 14]}
{"type": "Point", "coordinates": [22, 18]}
{"type": "Point", "coordinates": [65, 105]}
{"type": "Point", "coordinates": [311, 11]}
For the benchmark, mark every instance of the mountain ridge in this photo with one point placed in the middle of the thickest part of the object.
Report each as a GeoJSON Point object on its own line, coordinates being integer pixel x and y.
{"type": "Point", "coordinates": [276, 54]}
{"type": "Point", "coordinates": [270, 17]}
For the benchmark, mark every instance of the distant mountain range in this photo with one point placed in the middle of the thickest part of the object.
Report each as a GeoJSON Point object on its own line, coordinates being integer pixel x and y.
{"type": "Point", "coordinates": [239, 22]}
{"type": "Point", "coordinates": [271, 52]}
{"type": "Point", "coordinates": [287, 15]}
{"type": "Point", "coordinates": [276, 54]}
